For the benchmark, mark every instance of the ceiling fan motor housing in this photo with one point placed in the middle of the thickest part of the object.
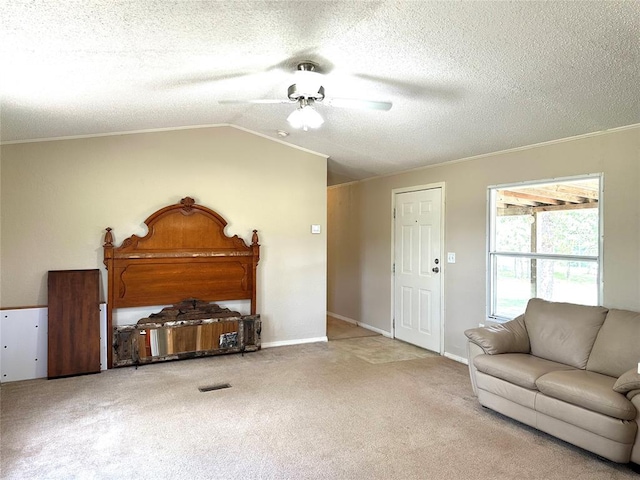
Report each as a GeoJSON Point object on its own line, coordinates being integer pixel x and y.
{"type": "Point", "coordinates": [296, 93]}
{"type": "Point", "coordinates": [307, 84]}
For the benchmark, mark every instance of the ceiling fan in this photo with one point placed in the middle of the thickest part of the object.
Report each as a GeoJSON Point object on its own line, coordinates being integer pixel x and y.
{"type": "Point", "coordinates": [306, 92]}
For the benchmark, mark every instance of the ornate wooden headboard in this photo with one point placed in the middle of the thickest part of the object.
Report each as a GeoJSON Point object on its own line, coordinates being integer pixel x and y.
{"type": "Point", "coordinates": [185, 254]}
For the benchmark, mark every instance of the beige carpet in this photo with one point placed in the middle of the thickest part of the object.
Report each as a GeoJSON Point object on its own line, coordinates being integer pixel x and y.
{"type": "Point", "coordinates": [316, 411]}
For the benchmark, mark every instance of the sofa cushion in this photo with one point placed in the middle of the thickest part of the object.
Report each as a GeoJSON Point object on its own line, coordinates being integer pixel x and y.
{"type": "Point", "coordinates": [617, 347]}
{"type": "Point", "coordinates": [563, 332]}
{"type": "Point", "coordinates": [518, 368]}
{"type": "Point", "coordinates": [589, 390]}
{"type": "Point", "coordinates": [622, 431]}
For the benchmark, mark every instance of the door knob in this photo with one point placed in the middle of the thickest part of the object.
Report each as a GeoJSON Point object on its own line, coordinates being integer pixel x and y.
{"type": "Point", "coordinates": [435, 269]}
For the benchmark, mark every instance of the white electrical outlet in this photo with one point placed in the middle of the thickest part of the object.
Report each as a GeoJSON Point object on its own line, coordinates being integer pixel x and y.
{"type": "Point", "coordinates": [451, 257]}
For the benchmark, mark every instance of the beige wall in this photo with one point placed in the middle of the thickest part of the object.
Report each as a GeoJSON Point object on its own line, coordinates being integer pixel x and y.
{"type": "Point", "coordinates": [343, 239]}
{"type": "Point", "coordinates": [616, 154]}
{"type": "Point", "coordinates": [58, 196]}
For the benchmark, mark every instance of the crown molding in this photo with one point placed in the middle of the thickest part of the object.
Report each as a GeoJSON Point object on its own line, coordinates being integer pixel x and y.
{"type": "Point", "coordinates": [165, 129]}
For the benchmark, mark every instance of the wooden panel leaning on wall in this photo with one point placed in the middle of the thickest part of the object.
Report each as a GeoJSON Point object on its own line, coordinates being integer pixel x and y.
{"type": "Point", "coordinates": [73, 323]}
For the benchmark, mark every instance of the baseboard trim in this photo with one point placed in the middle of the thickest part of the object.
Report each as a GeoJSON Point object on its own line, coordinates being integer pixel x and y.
{"type": "Point", "coordinates": [384, 333]}
{"type": "Point", "coordinates": [340, 317]}
{"type": "Point", "coordinates": [285, 343]}
{"type": "Point", "coordinates": [360, 324]}
{"type": "Point", "coordinates": [456, 358]}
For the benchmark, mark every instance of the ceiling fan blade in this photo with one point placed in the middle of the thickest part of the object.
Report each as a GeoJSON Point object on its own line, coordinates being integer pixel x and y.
{"type": "Point", "coordinates": [204, 78]}
{"type": "Point", "coordinates": [357, 103]}
{"type": "Point", "coordinates": [415, 89]}
{"type": "Point", "coordinates": [289, 64]}
{"type": "Point", "coordinates": [260, 101]}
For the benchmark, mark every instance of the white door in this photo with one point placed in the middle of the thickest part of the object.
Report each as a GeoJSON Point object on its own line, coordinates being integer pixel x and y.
{"type": "Point", "coordinates": [418, 267]}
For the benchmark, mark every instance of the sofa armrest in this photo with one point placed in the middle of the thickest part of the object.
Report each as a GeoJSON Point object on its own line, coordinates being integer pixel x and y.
{"type": "Point", "coordinates": [473, 351]}
{"type": "Point", "coordinates": [509, 337]}
{"type": "Point", "coordinates": [628, 381]}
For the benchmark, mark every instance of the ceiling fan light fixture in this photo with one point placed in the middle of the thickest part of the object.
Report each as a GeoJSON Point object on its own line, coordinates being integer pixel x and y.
{"type": "Point", "coordinates": [305, 116]}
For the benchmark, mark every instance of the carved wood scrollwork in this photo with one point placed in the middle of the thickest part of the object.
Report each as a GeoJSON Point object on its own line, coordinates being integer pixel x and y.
{"type": "Point", "coordinates": [108, 238]}
{"type": "Point", "coordinates": [123, 286]}
{"type": "Point", "coordinates": [187, 204]}
{"type": "Point", "coordinates": [245, 277]}
{"type": "Point", "coordinates": [128, 241]}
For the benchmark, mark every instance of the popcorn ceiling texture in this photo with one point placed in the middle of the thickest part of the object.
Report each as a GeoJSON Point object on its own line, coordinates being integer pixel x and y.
{"type": "Point", "coordinates": [465, 78]}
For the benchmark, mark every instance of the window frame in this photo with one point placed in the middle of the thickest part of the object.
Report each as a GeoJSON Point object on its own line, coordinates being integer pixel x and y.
{"type": "Point", "coordinates": [492, 255]}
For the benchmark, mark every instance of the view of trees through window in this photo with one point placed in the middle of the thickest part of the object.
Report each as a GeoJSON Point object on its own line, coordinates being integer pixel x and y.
{"type": "Point", "coordinates": [544, 243]}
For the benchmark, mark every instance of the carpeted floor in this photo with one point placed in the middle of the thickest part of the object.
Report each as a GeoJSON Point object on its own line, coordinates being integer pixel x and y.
{"type": "Point", "coordinates": [357, 408]}
{"type": "Point", "coordinates": [339, 330]}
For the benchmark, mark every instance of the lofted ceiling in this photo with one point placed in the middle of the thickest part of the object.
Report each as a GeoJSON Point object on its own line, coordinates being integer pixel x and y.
{"type": "Point", "coordinates": [465, 78]}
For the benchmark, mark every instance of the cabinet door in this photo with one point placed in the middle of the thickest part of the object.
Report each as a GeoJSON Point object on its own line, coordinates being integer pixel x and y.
{"type": "Point", "coordinates": [74, 322]}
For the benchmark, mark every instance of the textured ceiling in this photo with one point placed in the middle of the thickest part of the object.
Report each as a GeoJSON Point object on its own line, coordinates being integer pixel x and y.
{"type": "Point", "coordinates": [465, 78]}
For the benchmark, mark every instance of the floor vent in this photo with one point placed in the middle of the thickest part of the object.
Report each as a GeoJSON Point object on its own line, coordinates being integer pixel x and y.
{"type": "Point", "coordinates": [218, 386]}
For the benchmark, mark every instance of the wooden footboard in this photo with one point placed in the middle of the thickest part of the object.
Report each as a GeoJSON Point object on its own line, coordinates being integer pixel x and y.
{"type": "Point", "coordinates": [189, 329]}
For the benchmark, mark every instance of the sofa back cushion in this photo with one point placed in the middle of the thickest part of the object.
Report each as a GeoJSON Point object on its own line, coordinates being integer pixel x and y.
{"type": "Point", "coordinates": [617, 347]}
{"type": "Point", "coordinates": [563, 332]}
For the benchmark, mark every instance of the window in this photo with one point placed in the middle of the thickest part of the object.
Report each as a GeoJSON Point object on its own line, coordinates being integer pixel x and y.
{"type": "Point", "coordinates": [544, 241]}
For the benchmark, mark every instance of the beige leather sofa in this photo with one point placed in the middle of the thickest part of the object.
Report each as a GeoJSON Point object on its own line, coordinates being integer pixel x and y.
{"type": "Point", "coordinates": [568, 370]}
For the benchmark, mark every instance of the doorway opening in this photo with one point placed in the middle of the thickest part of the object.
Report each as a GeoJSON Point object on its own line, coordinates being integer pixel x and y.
{"type": "Point", "coordinates": [341, 329]}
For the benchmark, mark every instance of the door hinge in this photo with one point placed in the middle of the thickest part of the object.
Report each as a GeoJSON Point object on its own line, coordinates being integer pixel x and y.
{"type": "Point", "coordinates": [394, 213]}
{"type": "Point", "coordinates": [394, 268]}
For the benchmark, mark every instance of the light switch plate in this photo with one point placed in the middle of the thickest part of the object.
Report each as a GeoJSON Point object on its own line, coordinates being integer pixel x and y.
{"type": "Point", "coordinates": [451, 257]}
{"type": "Point", "coordinates": [315, 228]}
